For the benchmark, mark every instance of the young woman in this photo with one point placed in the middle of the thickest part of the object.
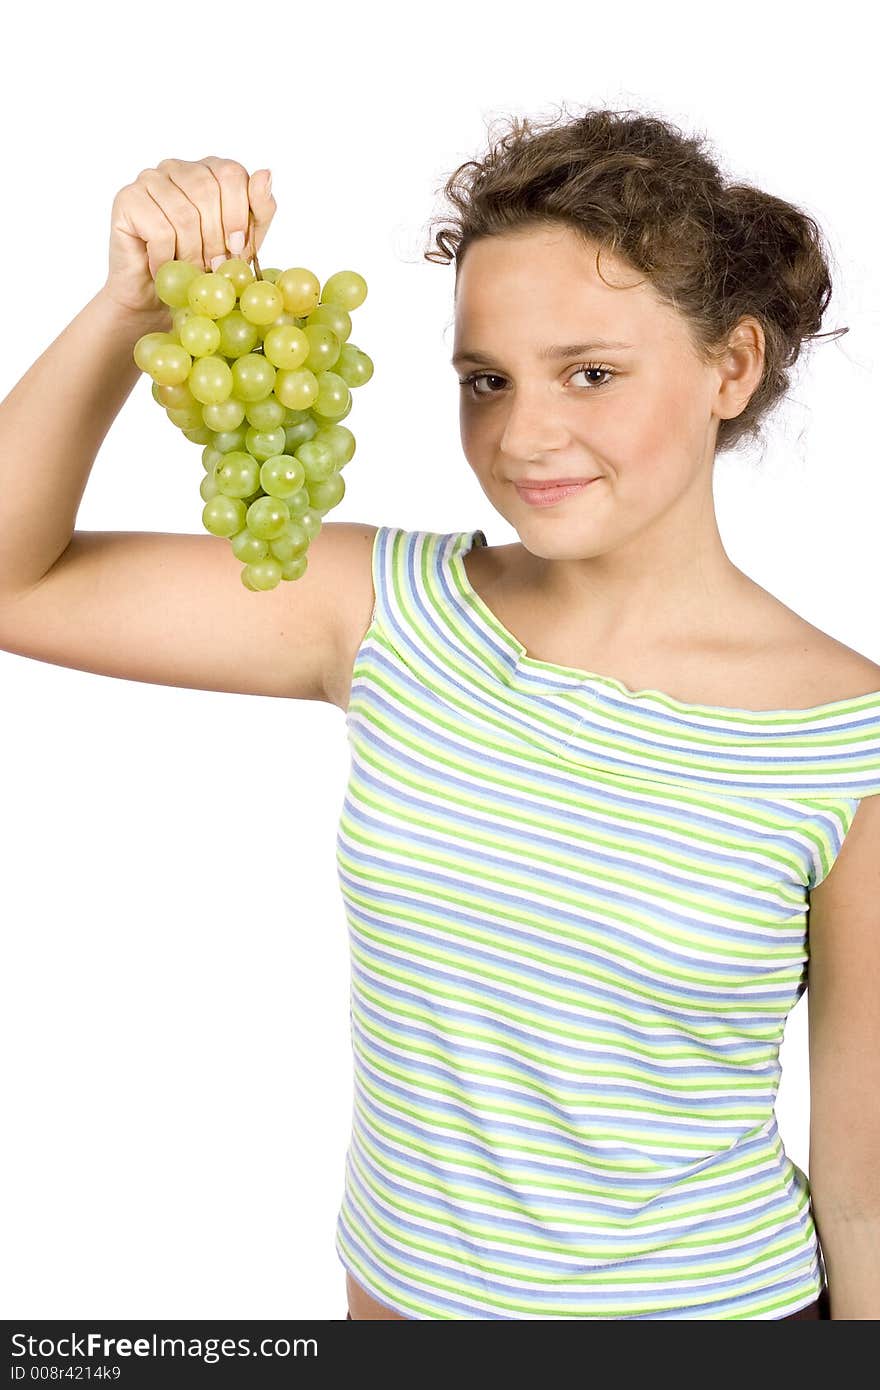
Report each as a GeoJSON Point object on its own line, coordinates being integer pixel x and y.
{"type": "Point", "coordinates": [601, 783]}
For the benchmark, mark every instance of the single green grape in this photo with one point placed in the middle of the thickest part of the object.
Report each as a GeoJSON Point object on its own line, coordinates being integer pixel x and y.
{"type": "Point", "coordinates": [316, 459]}
{"type": "Point", "coordinates": [144, 347]}
{"type": "Point", "coordinates": [353, 365]}
{"type": "Point", "coordinates": [208, 487]}
{"type": "Point", "coordinates": [248, 548]}
{"type": "Point", "coordinates": [266, 414]}
{"type": "Point", "coordinates": [298, 503]}
{"type": "Point", "coordinates": [237, 474]}
{"type": "Point", "coordinates": [238, 271]}
{"type": "Point", "coordinates": [346, 287]}
{"type": "Point", "coordinates": [261, 302]}
{"type": "Point", "coordinates": [271, 274]}
{"type": "Point", "coordinates": [223, 515]}
{"type": "Point", "coordinates": [225, 441]}
{"type": "Point", "coordinates": [237, 336]}
{"type": "Point", "coordinates": [173, 280]}
{"type": "Point", "coordinates": [340, 441]}
{"type": "Point", "coordinates": [253, 377]}
{"type": "Point", "coordinates": [333, 396]}
{"type": "Point", "coordinates": [324, 347]}
{"type": "Point", "coordinates": [200, 435]}
{"type": "Point", "coordinates": [224, 415]}
{"type": "Point", "coordinates": [264, 443]}
{"type": "Point", "coordinates": [332, 316]}
{"type": "Point", "coordinates": [169, 364]}
{"type": "Point", "coordinates": [263, 574]}
{"type": "Point", "coordinates": [179, 318]}
{"type": "Point", "coordinates": [281, 475]}
{"type": "Point", "coordinates": [294, 435]}
{"type": "Point", "coordinates": [210, 380]}
{"type": "Point", "coordinates": [300, 288]}
{"type": "Point", "coordinates": [210, 458]}
{"type": "Point", "coordinates": [311, 521]}
{"type": "Point", "coordinates": [294, 568]}
{"type": "Point", "coordinates": [267, 517]}
{"type": "Point", "coordinates": [286, 346]}
{"type": "Point", "coordinates": [211, 295]}
{"type": "Point", "coordinates": [188, 417]}
{"type": "Point", "coordinates": [199, 335]}
{"type": "Point", "coordinates": [297, 389]}
{"type": "Point", "coordinates": [328, 493]}
{"type": "Point", "coordinates": [175, 397]}
{"type": "Point", "coordinates": [294, 540]}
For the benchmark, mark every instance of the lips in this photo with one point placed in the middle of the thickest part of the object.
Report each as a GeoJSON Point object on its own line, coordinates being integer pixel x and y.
{"type": "Point", "coordinates": [538, 483]}
{"type": "Point", "coordinates": [552, 494]}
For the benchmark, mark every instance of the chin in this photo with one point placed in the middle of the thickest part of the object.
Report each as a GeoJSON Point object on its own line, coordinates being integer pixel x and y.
{"type": "Point", "coordinates": [546, 546]}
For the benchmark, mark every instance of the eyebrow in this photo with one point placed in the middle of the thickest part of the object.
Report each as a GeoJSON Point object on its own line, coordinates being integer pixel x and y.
{"type": "Point", "coordinates": [545, 354]}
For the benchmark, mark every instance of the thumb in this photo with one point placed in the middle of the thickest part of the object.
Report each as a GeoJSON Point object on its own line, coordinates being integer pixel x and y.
{"type": "Point", "coordinates": [263, 207]}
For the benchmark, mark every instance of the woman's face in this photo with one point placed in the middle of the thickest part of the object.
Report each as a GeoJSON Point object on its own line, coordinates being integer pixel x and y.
{"type": "Point", "coordinates": [644, 425]}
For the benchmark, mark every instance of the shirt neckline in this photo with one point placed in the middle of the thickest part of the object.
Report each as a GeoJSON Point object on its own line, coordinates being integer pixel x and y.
{"type": "Point", "coordinates": [529, 673]}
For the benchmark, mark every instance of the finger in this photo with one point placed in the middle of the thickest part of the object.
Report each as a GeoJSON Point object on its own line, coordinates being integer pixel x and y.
{"type": "Point", "coordinates": [140, 217]}
{"type": "Point", "coordinates": [233, 182]}
{"type": "Point", "coordinates": [199, 186]}
{"type": "Point", "coordinates": [180, 212]}
{"type": "Point", "coordinates": [263, 208]}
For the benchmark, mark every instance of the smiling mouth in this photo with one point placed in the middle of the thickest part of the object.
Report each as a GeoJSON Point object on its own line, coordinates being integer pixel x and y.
{"type": "Point", "coordinates": [554, 482]}
{"type": "Point", "coordinates": [553, 487]}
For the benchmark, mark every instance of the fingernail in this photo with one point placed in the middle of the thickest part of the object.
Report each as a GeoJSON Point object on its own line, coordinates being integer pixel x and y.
{"type": "Point", "coordinates": [269, 184]}
{"type": "Point", "coordinates": [218, 260]}
{"type": "Point", "coordinates": [235, 242]}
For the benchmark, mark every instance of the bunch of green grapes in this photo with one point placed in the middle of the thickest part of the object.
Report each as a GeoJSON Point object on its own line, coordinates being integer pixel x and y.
{"type": "Point", "coordinates": [258, 369]}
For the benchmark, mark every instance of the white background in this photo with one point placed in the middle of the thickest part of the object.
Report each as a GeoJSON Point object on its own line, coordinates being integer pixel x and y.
{"type": "Point", "coordinates": [177, 1072]}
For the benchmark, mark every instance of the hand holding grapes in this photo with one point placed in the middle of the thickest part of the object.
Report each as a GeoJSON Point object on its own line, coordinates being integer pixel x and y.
{"type": "Point", "coordinates": [257, 367]}
{"type": "Point", "coordinates": [186, 210]}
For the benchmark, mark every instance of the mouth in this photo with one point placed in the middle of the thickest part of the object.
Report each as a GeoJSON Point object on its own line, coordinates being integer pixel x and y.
{"type": "Point", "coordinates": [549, 482]}
{"type": "Point", "coordinates": [547, 493]}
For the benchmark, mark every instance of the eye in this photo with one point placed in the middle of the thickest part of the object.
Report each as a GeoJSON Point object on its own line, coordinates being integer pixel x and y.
{"type": "Point", "coordinates": [469, 382]}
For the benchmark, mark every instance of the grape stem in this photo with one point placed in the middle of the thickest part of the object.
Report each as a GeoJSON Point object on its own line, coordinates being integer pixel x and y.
{"type": "Point", "coordinates": [258, 274]}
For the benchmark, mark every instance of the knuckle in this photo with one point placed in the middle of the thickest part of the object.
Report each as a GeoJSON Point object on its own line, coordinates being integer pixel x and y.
{"type": "Point", "coordinates": [204, 185]}
{"type": "Point", "coordinates": [231, 169]}
{"type": "Point", "coordinates": [224, 168]}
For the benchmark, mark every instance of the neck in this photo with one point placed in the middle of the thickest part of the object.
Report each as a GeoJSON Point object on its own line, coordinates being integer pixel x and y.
{"type": "Point", "coordinates": [665, 586]}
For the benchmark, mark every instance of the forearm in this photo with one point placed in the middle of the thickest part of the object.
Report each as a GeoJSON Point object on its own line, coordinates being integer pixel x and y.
{"type": "Point", "coordinates": [851, 1250]}
{"type": "Point", "coordinates": [52, 424]}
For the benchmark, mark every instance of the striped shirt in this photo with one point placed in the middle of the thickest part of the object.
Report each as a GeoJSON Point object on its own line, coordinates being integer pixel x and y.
{"type": "Point", "coordinates": [578, 922]}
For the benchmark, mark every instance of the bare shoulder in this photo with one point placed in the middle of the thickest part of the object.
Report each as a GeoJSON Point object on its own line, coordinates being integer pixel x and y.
{"type": "Point", "coordinates": [855, 674]}
{"type": "Point", "coordinates": [823, 667]}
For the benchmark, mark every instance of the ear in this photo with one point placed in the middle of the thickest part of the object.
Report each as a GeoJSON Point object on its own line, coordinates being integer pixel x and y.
{"type": "Point", "coordinates": [741, 368]}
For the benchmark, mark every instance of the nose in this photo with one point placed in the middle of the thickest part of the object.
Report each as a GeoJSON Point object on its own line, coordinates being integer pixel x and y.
{"type": "Point", "coordinates": [532, 425]}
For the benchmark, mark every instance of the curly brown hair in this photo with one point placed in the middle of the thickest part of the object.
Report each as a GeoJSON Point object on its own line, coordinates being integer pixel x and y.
{"type": "Point", "coordinates": [637, 186]}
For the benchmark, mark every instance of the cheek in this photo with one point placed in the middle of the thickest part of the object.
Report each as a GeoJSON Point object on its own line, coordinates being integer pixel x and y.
{"type": "Point", "coordinates": [473, 433]}
{"type": "Point", "coordinates": [652, 448]}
